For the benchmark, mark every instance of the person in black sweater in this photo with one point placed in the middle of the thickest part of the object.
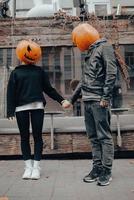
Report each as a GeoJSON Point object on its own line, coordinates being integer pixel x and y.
{"type": "Point", "coordinates": [25, 100]}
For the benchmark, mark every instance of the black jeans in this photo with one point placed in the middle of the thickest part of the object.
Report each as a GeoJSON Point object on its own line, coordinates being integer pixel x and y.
{"type": "Point", "coordinates": [97, 121]}
{"type": "Point", "coordinates": [23, 120]}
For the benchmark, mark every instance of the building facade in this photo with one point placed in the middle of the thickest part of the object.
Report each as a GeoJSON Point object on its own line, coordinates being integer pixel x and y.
{"type": "Point", "coordinates": [24, 6]}
{"type": "Point", "coordinates": [124, 7]}
{"type": "Point", "coordinates": [98, 7]}
{"type": "Point", "coordinates": [60, 58]}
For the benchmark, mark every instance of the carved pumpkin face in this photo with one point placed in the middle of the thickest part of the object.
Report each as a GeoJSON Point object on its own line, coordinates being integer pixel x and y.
{"type": "Point", "coordinates": [84, 35]}
{"type": "Point", "coordinates": [28, 52]}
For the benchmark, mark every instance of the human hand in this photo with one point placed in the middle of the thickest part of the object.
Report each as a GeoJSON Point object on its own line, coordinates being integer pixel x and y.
{"type": "Point", "coordinates": [66, 104]}
{"type": "Point", "coordinates": [104, 103]}
{"type": "Point", "coordinates": [11, 118]}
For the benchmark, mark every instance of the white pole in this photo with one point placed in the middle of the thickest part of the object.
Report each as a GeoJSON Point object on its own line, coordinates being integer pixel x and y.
{"type": "Point", "coordinates": [13, 8]}
{"type": "Point", "coordinates": [118, 10]}
{"type": "Point", "coordinates": [12, 30]}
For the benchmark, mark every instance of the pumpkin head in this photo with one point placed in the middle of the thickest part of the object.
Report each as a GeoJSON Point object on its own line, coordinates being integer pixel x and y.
{"type": "Point", "coordinates": [84, 35]}
{"type": "Point", "coordinates": [28, 52]}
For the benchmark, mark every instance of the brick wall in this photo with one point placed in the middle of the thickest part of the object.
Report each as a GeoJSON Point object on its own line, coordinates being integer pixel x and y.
{"type": "Point", "coordinates": [63, 142]}
{"type": "Point", "coordinates": [50, 32]}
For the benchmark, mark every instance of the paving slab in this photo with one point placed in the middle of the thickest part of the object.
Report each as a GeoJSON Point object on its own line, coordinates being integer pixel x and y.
{"type": "Point", "coordinates": [62, 180]}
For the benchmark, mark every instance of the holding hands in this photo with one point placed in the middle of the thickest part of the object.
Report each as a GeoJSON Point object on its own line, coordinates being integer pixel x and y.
{"type": "Point", "coordinates": [66, 104]}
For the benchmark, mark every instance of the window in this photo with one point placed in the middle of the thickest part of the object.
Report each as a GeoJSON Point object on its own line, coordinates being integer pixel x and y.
{"type": "Point", "coordinates": [129, 58]}
{"type": "Point", "coordinates": [1, 57]}
{"type": "Point", "coordinates": [51, 64]}
{"type": "Point", "coordinates": [67, 63]}
{"type": "Point", "coordinates": [67, 70]}
{"type": "Point", "coordinates": [67, 66]}
{"type": "Point", "coordinates": [9, 57]}
{"type": "Point", "coordinates": [45, 59]}
{"type": "Point", "coordinates": [101, 10]}
{"type": "Point", "coordinates": [57, 68]}
{"type": "Point", "coordinates": [57, 60]}
{"type": "Point", "coordinates": [22, 7]}
{"type": "Point", "coordinates": [69, 11]}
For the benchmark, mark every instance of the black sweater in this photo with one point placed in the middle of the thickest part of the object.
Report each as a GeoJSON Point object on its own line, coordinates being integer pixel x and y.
{"type": "Point", "coordinates": [26, 85]}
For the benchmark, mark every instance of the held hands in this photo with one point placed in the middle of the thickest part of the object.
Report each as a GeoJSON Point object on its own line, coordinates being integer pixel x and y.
{"type": "Point", "coordinates": [66, 104]}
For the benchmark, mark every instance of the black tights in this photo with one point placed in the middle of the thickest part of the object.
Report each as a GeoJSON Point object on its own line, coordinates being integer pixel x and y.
{"type": "Point", "coordinates": [23, 121]}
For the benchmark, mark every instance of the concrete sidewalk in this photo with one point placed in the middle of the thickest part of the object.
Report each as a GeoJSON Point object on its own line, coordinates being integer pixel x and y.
{"type": "Point", "coordinates": [62, 180]}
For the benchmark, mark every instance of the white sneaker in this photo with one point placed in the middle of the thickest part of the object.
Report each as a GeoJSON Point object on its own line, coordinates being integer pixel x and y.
{"type": "Point", "coordinates": [35, 174]}
{"type": "Point", "coordinates": [27, 173]}
{"type": "Point", "coordinates": [28, 169]}
{"type": "Point", "coordinates": [36, 170]}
